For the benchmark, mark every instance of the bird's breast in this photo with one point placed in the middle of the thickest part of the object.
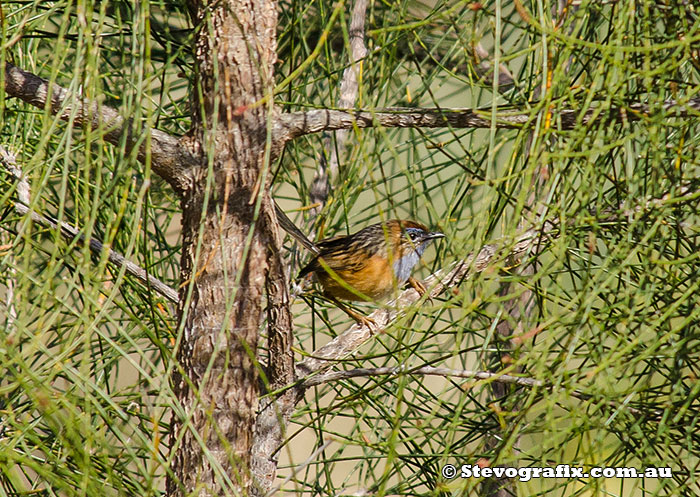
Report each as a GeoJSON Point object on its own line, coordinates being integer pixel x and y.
{"type": "Point", "coordinates": [403, 266]}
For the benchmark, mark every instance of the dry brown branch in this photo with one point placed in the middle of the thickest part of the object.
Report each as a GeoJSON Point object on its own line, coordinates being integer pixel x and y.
{"type": "Point", "coordinates": [274, 414]}
{"type": "Point", "coordinates": [169, 159]}
{"type": "Point", "coordinates": [484, 68]}
{"type": "Point", "coordinates": [422, 371]}
{"type": "Point", "coordinates": [486, 376]}
{"type": "Point", "coordinates": [349, 88]}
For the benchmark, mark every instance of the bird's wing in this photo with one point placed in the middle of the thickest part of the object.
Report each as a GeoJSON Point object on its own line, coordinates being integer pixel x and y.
{"type": "Point", "coordinates": [337, 256]}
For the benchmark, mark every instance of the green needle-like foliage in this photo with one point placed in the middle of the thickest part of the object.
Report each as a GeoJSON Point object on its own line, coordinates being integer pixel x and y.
{"type": "Point", "coordinates": [603, 311]}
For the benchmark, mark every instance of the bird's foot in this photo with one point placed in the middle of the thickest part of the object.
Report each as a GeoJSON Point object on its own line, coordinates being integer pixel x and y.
{"type": "Point", "coordinates": [419, 287]}
{"type": "Point", "coordinates": [367, 321]}
{"type": "Point", "coordinates": [361, 319]}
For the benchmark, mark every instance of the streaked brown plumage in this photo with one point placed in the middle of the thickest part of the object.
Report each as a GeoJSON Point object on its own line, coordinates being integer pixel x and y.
{"type": "Point", "coordinates": [370, 264]}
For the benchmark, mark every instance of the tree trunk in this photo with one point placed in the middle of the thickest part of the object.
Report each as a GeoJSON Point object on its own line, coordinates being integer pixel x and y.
{"type": "Point", "coordinates": [228, 237]}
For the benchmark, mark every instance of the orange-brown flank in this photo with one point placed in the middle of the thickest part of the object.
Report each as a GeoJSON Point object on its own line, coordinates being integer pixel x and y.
{"type": "Point", "coordinates": [363, 266]}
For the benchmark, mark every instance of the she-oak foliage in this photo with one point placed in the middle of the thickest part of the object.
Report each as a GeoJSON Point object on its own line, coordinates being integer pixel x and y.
{"type": "Point", "coordinates": [601, 313]}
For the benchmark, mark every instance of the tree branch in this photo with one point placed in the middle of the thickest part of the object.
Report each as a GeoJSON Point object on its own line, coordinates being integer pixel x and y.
{"type": "Point", "coordinates": [274, 414]}
{"type": "Point", "coordinates": [293, 125]}
{"type": "Point", "coordinates": [499, 378]}
{"type": "Point", "coordinates": [169, 158]}
{"type": "Point", "coordinates": [71, 233]}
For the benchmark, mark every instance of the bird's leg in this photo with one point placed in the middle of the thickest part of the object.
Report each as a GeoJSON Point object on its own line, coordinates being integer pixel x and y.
{"type": "Point", "coordinates": [419, 287]}
{"type": "Point", "coordinates": [362, 320]}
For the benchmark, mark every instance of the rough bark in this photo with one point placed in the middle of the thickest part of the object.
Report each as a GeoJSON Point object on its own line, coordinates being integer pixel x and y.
{"type": "Point", "coordinates": [275, 411]}
{"type": "Point", "coordinates": [227, 245]}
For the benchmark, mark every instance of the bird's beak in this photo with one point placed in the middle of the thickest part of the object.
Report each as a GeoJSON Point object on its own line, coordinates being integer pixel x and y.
{"type": "Point", "coordinates": [434, 235]}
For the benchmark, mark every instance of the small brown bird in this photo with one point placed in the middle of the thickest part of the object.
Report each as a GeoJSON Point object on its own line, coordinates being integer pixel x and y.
{"type": "Point", "coordinates": [370, 264]}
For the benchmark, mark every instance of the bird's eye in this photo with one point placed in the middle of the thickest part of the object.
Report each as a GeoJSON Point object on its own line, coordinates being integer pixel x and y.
{"type": "Point", "coordinates": [414, 234]}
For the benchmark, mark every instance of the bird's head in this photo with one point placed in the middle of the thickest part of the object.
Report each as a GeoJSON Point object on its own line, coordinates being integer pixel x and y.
{"type": "Point", "coordinates": [412, 239]}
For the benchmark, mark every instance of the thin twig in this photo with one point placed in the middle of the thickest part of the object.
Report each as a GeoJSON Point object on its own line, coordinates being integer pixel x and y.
{"type": "Point", "coordinates": [484, 68]}
{"type": "Point", "coordinates": [70, 233]}
{"type": "Point", "coordinates": [500, 378]}
{"type": "Point", "coordinates": [422, 371]}
{"type": "Point", "coordinates": [309, 460]}
{"type": "Point", "coordinates": [349, 88]}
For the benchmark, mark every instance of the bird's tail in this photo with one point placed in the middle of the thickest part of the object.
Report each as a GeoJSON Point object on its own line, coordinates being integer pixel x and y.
{"type": "Point", "coordinates": [291, 228]}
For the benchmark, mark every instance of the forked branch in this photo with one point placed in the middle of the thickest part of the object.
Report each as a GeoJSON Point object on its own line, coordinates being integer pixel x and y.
{"type": "Point", "coordinates": [169, 159]}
